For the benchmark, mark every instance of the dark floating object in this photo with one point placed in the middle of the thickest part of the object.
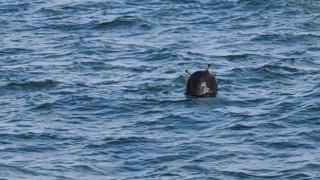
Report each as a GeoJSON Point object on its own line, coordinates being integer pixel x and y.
{"type": "Point", "coordinates": [201, 84]}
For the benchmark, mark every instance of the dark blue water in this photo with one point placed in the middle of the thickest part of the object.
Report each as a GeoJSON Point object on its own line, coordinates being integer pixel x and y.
{"type": "Point", "coordinates": [94, 89]}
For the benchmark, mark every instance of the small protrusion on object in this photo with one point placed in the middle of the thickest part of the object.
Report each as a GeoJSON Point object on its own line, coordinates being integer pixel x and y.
{"type": "Point", "coordinates": [214, 75]}
{"type": "Point", "coordinates": [209, 65]}
{"type": "Point", "coordinates": [187, 71]}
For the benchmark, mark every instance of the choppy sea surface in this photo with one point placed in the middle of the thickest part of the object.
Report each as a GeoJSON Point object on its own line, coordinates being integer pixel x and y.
{"type": "Point", "coordinates": [94, 89]}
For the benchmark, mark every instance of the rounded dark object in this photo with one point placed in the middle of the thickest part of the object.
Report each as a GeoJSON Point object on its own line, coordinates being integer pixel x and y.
{"type": "Point", "coordinates": [202, 84]}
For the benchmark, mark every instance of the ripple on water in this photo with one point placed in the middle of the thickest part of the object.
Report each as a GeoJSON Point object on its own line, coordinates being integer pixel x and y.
{"type": "Point", "coordinates": [124, 23]}
{"type": "Point", "coordinates": [31, 85]}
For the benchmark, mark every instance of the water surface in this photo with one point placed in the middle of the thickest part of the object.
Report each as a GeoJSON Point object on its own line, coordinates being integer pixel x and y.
{"type": "Point", "coordinates": [94, 89]}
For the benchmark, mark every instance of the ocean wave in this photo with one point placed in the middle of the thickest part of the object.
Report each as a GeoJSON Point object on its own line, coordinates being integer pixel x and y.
{"type": "Point", "coordinates": [124, 22]}
{"type": "Point", "coordinates": [31, 85]}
